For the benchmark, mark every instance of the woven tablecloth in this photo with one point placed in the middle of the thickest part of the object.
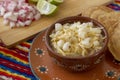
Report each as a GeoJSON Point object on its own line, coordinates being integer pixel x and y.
{"type": "Point", "coordinates": [14, 63]}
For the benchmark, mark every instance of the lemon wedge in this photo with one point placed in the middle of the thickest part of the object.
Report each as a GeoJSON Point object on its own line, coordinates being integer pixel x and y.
{"type": "Point", "coordinates": [45, 7]}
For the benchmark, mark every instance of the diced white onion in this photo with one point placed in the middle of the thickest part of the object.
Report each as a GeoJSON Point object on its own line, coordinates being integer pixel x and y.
{"type": "Point", "coordinates": [66, 46]}
{"type": "Point", "coordinates": [58, 27]}
{"type": "Point", "coordinates": [96, 43]}
{"type": "Point", "coordinates": [86, 42]}
{"type": "Point", "coordinates": [60, 43]}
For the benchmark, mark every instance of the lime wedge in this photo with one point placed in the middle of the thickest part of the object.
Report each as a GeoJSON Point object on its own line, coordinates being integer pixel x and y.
{"type": "Point", "coordinates": [45, 7]}
{"type": "Point", "coordinates": [33, 0]}
{"type": "Point", "coordinates": [56, 2]}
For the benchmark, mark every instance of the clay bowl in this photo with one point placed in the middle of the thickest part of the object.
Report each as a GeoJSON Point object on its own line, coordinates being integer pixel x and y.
{"type": "Point", "coordinates": [76, 63]}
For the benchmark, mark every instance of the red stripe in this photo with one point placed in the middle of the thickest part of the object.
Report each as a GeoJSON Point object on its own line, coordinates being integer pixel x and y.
{"type": "Point", "coordinates": [13, 53]}
{"type": "Point", "coordinates": [15, 66]}
{"type": "Point", "coordinates": [25, 45]}
{"type": "Point", "coordinates": [20, 51]}
{"type": "Point", "coordinates": [117, 1]}
{"type": "Point", "coordinates": [12, 76]}
{"type": "Point", "coordinates": [2, 44]}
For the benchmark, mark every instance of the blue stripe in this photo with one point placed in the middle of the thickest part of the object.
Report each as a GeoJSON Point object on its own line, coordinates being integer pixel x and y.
{"type": "Point", "coordinates": [19, 73]}
{"type": "Point", "coordinates": [30, 40]}
{"type": "Point", "coordinates": [115, 7]}
{"type": "Point", "coordinates": [13, 60]}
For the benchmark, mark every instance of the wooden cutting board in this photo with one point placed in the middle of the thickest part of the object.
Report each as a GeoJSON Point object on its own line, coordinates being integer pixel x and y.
{"type": "Point", "coordinates": [69, 8]}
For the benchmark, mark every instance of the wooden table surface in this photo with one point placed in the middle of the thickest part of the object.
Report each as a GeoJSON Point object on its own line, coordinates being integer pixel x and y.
{"type": "Point", "coordinates": [69, 8]}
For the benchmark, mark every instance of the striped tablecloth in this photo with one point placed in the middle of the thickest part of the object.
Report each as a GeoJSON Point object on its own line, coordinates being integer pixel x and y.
{"type": "Point", "coordinates": [14, 64]}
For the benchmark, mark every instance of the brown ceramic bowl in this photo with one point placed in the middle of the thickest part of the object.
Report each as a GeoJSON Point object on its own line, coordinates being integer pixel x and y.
{"type": "Point", "coordinates": [76, 63]}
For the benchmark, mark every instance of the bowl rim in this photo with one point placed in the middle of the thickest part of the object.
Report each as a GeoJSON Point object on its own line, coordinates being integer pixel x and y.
{"type": "Point", "coordinates": [77, 57]}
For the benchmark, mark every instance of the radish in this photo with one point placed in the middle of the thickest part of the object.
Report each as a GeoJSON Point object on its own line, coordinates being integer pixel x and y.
{"type": "Point", "coordinates": [11, 16]}
{"type": "Point", "coordinates": [22, 11]}
{"type": "Point", "coordinates": [18, 13]}
{"type": "Point", "coordinates": [6, 15]}
{"type": "Point", "coordinates": [37, 16]}
{"type": "Point", "coordinates": [12, 24]}
{"type": "Point", "coordinates": [2, 11]}
{"type": "Point", "coordinates": [21, 23]}
{"type": "Point", "coordinates": [28, 22]}
{"type": "Point", "coordinates": [11, 6]}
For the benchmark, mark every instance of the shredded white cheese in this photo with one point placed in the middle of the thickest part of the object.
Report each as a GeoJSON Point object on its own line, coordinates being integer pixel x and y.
{"type": "Point", "coordinates": [76, 39]}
